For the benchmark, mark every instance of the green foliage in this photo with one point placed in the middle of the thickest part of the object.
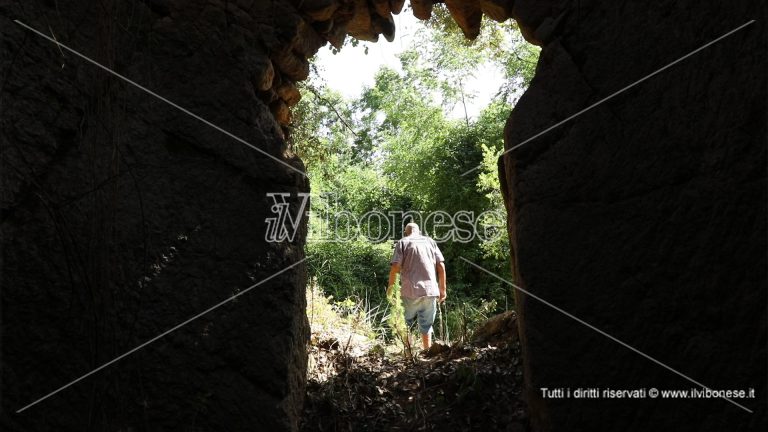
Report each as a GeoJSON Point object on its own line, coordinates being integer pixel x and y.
{"type": "Point", "coordinates": [396, 320]}
{"type": "Point", "coordinates": [464, 316]}
{"type": "Point", "coordinates": [329, 318]}
{"type": "Point", "coordinates": [395, 149]}
{"type": "Point", "coordinates": [500, 45]}
{"type": "Point", "coordinates": [320, 132]}
{"type": "Point", "coordinates": [490, 127]}
{"type": "Point", "coordinates": [354, 269]}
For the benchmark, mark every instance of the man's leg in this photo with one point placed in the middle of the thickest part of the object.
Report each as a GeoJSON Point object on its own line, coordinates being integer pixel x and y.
{"type": "Point", "coordinates": [426, 340]}
{"type": "Point", "coordinates": [426, 319]}
{"type": "Point", "coordinates": [410, 309]}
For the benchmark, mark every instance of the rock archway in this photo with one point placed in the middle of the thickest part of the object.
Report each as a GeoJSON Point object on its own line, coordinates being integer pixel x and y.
{"type": "Point", "coordinates": [122, 216]}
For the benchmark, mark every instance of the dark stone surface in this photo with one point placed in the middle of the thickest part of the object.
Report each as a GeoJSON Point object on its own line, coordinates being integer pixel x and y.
{"type": "Point", "coordinates": [122, 217]}
{"type": "Point", "coordinates": [646, 216]}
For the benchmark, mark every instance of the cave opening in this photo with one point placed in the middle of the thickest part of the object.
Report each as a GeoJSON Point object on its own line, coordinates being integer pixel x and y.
{"type": "Point", "coordinates": [154, 275]}
{"type": "Point", "coordinates": [417, 142]}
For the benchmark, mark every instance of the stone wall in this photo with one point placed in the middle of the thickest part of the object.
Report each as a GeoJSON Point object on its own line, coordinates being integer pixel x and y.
{"type": "Point", "coordinates": [646, 216]}
{"type": "Point", "coordinates": [123, 216]}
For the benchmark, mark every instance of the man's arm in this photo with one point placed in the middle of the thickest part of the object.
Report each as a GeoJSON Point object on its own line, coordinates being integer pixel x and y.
{"type": "Point", "coordinates": [394, 269]}
{"type": "Point", "coordinates": [441, 283]}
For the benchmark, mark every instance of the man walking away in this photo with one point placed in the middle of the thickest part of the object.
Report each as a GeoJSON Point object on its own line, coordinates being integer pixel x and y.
{"type": "Point", "coordinates": [422, 279]}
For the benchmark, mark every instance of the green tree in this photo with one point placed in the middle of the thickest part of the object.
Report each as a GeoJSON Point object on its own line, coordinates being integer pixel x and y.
{"type": "Point", "coordinates": [395, 148]}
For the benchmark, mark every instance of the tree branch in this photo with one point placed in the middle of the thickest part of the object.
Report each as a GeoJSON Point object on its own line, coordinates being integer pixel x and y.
{"type": "Point", "coordinates": [328, 103]}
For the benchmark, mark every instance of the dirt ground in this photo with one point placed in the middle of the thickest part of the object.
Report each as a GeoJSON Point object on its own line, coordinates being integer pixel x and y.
{"type": "Point", "coordinates": [462, 388]}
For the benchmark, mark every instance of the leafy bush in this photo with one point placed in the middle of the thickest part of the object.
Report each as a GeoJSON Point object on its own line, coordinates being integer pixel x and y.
{"type": "Point", "coordinates": [356, 269]}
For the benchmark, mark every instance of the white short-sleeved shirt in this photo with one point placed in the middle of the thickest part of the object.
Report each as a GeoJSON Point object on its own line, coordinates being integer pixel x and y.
{"type": "Point", "coordinates": [417, 255]}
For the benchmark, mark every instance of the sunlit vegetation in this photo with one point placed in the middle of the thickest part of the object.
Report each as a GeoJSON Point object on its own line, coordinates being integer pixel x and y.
{"type": "Point", "coordinates": [400, 147]}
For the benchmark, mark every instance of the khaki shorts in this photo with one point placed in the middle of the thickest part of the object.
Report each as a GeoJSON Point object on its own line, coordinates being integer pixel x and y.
{"type": "Point", "coordinates": [422, 309]}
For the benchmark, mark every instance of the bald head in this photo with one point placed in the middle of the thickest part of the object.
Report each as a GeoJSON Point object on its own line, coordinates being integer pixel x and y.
{"type": "Point", "coordinates": [411, 228]}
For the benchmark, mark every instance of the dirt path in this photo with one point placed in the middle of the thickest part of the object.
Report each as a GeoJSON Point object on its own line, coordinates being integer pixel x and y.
{"type": "Point", "coordinates": [464, 388]}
